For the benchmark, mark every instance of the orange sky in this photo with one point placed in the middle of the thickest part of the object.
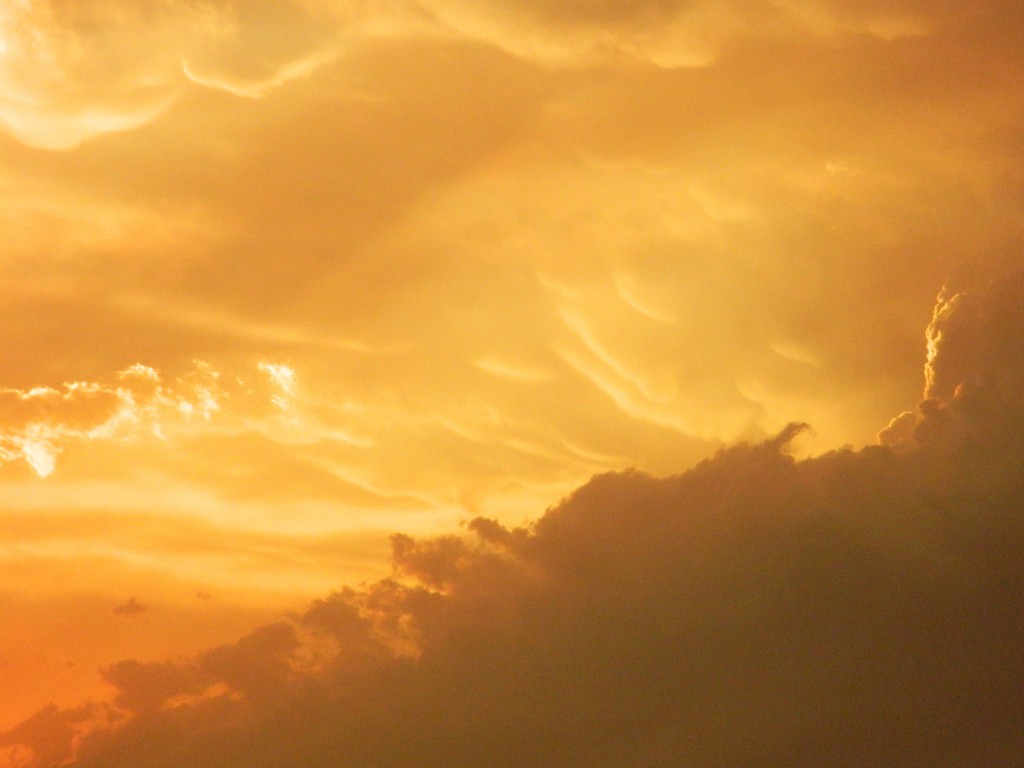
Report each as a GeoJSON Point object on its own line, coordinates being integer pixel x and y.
{"type": "Point", "coordinates": [280, 278]}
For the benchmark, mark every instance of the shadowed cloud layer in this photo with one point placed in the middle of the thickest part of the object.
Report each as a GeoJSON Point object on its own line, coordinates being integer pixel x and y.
{"type": "Point", "coordinates": [858, 608]}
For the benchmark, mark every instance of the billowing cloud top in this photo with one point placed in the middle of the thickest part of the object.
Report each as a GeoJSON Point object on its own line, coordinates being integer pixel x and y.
{"type": "Point", "coordinates": [859, 607]}
{"type": "Point", "coordinates": [974, 345]}
{"type": "Point", "coordinates": [975, 368]}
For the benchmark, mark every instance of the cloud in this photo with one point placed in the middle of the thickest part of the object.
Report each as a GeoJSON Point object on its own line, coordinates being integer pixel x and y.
{"type": "Point", "coordinates": [667, 32]}
{"type": "Point", "coordinates": [37, 424]}
{"type": "Point", "coordinates": [784, 197]}
{"type": "Point", "coordinates": [283, 380]}
{"type": "Point", "coordinates": [974, 373]}
{"type": "Point", "coordinates": [672, 33]}
{"type": "Point", "coordinates": [73, 71]}
{"type": "Point", "coordinates": [860, 607]}
{"type": "Point", "coordinates": [973, 341]}
{"type": "Point", "coordinates": [46, 738]}
{"type": "Point", "coordinates": [70, 72]}
{"type": "Point", "coordinates": [257, 45]}
{"type": "Point", "coordinates": [130, 608]}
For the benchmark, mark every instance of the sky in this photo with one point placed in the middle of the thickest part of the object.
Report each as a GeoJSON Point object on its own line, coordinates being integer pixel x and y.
{"type": "Point", "coordinates": [423, 372]}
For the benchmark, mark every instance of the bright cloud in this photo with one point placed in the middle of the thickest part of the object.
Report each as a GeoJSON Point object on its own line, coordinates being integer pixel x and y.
{"type": "Point", "coordinates": [37, 424]}
{"type": "Point", "coordinates": [283, 379]}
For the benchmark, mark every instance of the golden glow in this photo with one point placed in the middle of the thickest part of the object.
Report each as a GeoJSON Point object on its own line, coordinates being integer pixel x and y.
{"type": "Point", "coordinates": [282, 278]}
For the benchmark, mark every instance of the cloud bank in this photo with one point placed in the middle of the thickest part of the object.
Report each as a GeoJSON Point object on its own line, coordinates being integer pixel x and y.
{"type": "Point", "coordinates": [858, 608]}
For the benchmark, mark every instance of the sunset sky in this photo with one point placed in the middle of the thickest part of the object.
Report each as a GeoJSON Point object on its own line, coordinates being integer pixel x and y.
{"type": "Point", "coordinates": [282, 278]}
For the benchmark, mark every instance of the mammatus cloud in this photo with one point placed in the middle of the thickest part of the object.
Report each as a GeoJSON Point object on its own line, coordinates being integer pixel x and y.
{"type": "Point", "coordinates": [254, 46]}
{"type": "Point", "coordinates": [666, 33]}
{"type": "Point", "coordinates": [37, 424]}
{"type": "Point", "coordinates": [858, 608]}
{"type": "Point", "coordinates": [70, 71]}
